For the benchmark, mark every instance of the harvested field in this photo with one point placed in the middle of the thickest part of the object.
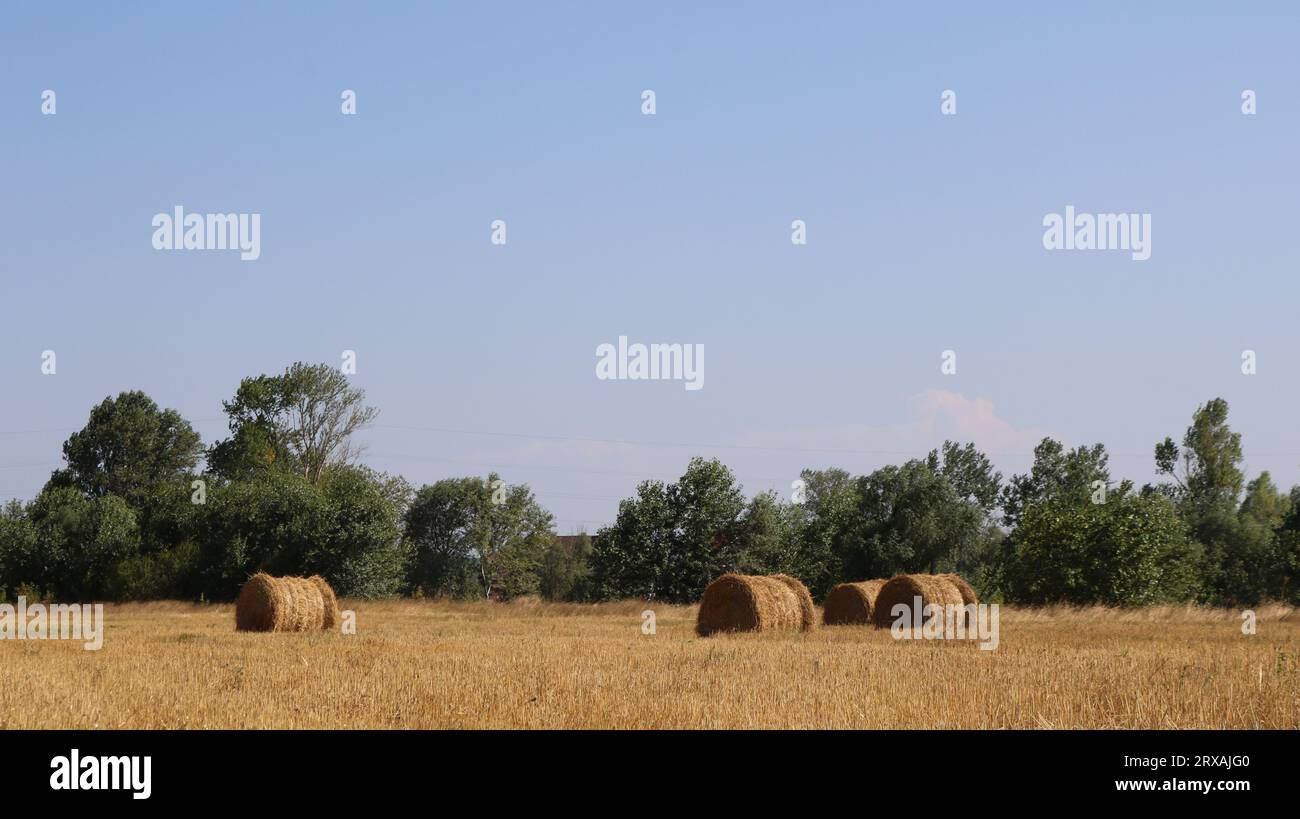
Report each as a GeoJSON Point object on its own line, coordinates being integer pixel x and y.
{"type": "Point", "coordinates": [431, 664]}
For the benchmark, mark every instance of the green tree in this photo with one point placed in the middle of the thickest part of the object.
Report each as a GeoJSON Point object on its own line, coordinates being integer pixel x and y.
{"type": "Point", "coordinates": [510, 539]}
{"type": "Point", "coordinates": [924, 515]}
{"type": "Point", "coordinates": [565, 571]}
{"type": "Point", "coordinates": [127, 447]}
{"type": "Point", "coordinates": [1288, 566]}
{"type": "Point", "coordinates": [1131, 550]}
{"type": "Point", "coordinates": [20, 558]}
{"type": "Point", "coordinates": [1057, 474]}
{"type": "Point", "coordinates": [633, 556]}
{"type": "Point", "coordinates": [362, 551]}
{"type": "Point", "coordinates": [1264, 504]}
{"type": "Point", "coordinates": [439, 525]}
{"type": "Point", "coordinates": [1242, 564]}
{"type": "Point", "coordinates": [913, 520]}
{"type": "Point", "coordinates": [969, 471]}
{"type": "Point", "coordinates": [766, 543]}
{"type": "Point", "coordinates": [671, 540]}
{"type": "Point", "coordinates": [347, 529]}
{"type": "Point", "coordinates": [81, 540]}
{"type": "Point", "coordinates": [472, 537]}
{"type": "Point", "coordinates": [302, 420]}
{"type": "Point", "coordinates": [825, 526]}
{"type": "Point", "coordinates": [1207, 471]}
{"type": "Point", "coordinates": [164, 575]}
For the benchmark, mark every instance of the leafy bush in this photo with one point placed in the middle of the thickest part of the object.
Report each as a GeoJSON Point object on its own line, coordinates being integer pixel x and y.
{"type": "Point", "coordinates": [1130, 550]}
{"type": "Point", "coordinates": [346, 529]}
{"type": "Point", "coordinates": [165, 575]}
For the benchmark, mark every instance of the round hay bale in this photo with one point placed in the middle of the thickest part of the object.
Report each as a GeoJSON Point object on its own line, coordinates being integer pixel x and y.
{"type": "Point", "coordinates": [269, 603]}
{"type": "Point", "coordinates": [738, 602]}
{"type": "Point", "coordinates": [332, 614]}
{"type": "Point", "coordinates": [306, 609]}
{"type": "Point", "coordinates": [905, 588]}
{"type": "Point", "coordinates": [851, 603]}
{"type": "Point", "coordinates": [968, 595]}
{"type": "Point", "coordinates": [258, 607]}
{"type": "Point", "coordinates": [807, 611]}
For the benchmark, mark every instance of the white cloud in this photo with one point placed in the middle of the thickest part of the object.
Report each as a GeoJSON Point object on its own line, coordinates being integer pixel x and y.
{"type": "Point", "coordinates": [933, 416]}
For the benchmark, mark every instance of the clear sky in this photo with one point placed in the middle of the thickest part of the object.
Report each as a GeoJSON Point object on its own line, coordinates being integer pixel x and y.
{"type": "Point", "coordinates": [924, 231]}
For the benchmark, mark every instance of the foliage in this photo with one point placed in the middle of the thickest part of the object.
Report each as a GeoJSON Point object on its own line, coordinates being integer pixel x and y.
{"type": "Point", "coordinates": [126, 448]}
{"type": "Point", "coordinates": [124, 518]}
{"type": "Point", "coordinates": [565, 573]}
{"type": "Point", "coordinates": [473, 538]}
{"type": "Point", "coordinates": [671, 540]}
{"type": "Point", "coordinates": [302, 420]}
{"type": "Point", "coordinates": [1131, 550]}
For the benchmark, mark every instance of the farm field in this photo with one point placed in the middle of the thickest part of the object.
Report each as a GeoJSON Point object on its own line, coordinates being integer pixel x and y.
{"type": "Point", "coordinates": [434, 664]}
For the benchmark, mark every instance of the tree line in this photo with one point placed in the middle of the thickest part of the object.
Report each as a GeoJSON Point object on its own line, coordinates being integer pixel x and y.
{"type": "Point", "coordinates": [143, 510]}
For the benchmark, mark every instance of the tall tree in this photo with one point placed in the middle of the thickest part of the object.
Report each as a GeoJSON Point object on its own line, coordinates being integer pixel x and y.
{"type": "Point", "coordinates": [474, 537]}
{"type": "Point", "coordinates": [439, 526]}
{"type": "Point", "coordinates": [913, 520]}
{"type": "Point", "coordinates": [1056, 474]}
{"type": "Point", "coordinates": [81, 540]}
{"type": "Point", "coordinates": [1207, 471]}
{"type": "Point", "coordinates": [128, 447]}
{"type": "Point", "coordinates": [969, 471]}
{"type": "Point", "coordinates": [825, 526]}
{"type": "Point", "coordinates": [1242, 564]}
{"type": "Point", "coordinates": [303, 420]}
{"type": "Point", "coordinates": [565, 569]}
{"type": "Point", "coordinates": [1264, 503]}
{"type": "Point", "coordinates": [1130, 550]}
{"type": "Point", "coordinates": [765, 540]}
{"type": "Point", "coordinates": [346, 528]}
{"type": "Point", "coordinates": [669, 541]}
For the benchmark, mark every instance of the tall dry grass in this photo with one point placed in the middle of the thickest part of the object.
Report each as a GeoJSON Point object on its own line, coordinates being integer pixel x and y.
{"type": "Point", "coordinates": [428, 664]}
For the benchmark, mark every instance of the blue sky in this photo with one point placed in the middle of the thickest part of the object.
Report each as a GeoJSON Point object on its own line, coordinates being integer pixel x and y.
{"type": "Point", "coordinates": [924, 230]}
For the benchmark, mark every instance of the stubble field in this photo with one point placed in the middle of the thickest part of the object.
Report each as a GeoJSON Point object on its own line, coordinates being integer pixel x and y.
{"type": "Point", "coordinates": [424, 664]}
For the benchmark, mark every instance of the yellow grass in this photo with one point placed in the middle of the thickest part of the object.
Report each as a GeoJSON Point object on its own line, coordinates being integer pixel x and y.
{"type": "Point", "coordinates": [424, 664]}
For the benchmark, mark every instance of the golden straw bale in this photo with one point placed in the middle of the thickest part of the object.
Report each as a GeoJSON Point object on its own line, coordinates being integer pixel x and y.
{"type": "Point", "coordinates": [905, 588]}
{"type": "Point", "coordinates": [269, 603]}
{"type": "Point", "coordinates": [736, 602]}
{"type": "Point", "coordinates": [968, 595]}
{"type": "Point", "coordinates": [332, 615]}
{"type": "Point", "coordinates": [851, 603]}
{"type": "Point", "coordinates": [807, 611]}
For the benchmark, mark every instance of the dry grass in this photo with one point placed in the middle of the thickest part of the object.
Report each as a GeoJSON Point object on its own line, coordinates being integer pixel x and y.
{"type": "Point", "coordinates": [483, 665]}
